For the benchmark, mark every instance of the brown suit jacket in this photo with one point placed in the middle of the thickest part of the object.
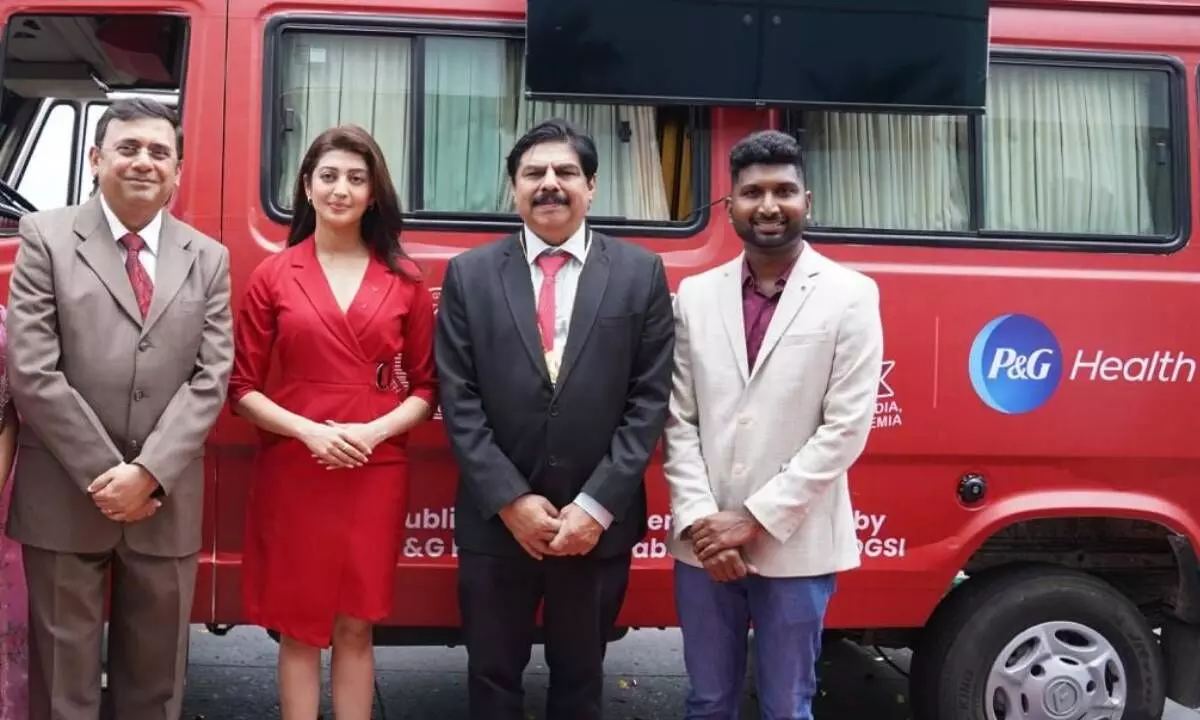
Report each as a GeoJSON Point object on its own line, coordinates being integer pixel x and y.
{"type": "Point", "coordinates": [95, 385]}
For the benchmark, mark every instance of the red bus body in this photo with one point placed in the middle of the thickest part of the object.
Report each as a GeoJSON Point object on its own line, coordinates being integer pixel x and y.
{"type": "Point", "coordinates": [1109, 443]}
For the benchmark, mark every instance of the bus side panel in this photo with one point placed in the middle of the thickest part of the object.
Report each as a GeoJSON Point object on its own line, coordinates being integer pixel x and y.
{"type": "Point", "coordinates": [1110, 439]}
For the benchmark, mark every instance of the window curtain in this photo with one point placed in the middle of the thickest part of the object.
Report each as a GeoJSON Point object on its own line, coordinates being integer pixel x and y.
{"type": "Point", "coordinates": [469, 124]}
{"type": "Point", "coordinates": [899, 172]}
{"type": "Point", "coordinates": [1066, 150]}
{"type": "Point", "coordinates": [474, 111]}
{"type": "Point", "coordinates": [1069, 150]}
{"type": "Point", "coordinates": [330, 80]}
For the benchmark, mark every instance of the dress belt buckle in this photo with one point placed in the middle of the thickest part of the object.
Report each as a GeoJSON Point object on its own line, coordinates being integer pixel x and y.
{"type": "Point", "coordinates": [382, 376]}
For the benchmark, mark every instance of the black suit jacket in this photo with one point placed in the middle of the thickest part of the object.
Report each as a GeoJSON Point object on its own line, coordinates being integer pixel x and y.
{"type": "Point", "coordinates": [512, 431]}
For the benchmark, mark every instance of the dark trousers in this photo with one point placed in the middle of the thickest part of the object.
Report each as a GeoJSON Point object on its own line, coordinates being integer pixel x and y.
{"type": "Point", "coordinates": [499, 596]}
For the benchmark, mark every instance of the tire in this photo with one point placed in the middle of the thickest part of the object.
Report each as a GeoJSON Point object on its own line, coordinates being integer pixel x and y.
{"type": "Point", "coordinates": [974, 626]}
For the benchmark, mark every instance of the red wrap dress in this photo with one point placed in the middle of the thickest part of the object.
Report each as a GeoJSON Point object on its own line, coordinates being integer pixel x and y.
{"type": "Point", "coordinates": [321, 543]}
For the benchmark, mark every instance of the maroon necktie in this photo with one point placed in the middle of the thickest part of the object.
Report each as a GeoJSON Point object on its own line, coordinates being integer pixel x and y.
{"type": "Point", "coordinates": [143, 286]}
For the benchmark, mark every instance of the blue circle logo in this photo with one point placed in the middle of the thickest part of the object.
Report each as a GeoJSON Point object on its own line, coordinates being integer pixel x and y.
{"type": "Point", "coordinates": [1016, 364]}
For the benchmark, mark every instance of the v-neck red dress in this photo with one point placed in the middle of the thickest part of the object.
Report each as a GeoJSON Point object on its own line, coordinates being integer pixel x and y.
{"type": "Point", "coordinates": [321, 543]}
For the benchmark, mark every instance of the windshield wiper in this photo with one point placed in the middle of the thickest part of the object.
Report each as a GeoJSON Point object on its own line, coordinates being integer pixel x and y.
{"type": "Point", "coordinates": [14, 200]}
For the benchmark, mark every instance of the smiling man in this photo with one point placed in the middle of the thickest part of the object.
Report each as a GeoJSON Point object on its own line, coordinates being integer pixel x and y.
{"type": "Point", "coordinates": [119, 350]}
{"type": "Point", "coordinates": [554, 360]}
{"type": "Point", "coordinates": [777, 361]}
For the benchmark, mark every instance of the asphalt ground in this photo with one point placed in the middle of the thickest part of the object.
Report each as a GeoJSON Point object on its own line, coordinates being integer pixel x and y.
{"type": "Point", "coordinates": [232, 678]}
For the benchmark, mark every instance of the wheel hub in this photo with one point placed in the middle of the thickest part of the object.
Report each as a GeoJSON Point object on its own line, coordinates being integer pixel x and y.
{"type": "Point", "coordinates": [1062, 696]}
{"type": "Point", "coordinates": [1057, 671]}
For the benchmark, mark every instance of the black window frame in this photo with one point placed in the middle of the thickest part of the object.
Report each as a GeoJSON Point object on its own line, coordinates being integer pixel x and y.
{"type": "Point", "coordinates": [417, 29]}
{"type": "Point", "coordinates": [978, 236]}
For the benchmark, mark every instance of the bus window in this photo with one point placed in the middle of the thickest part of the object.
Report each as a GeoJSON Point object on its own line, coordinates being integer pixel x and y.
{"type": "Point", "coordinates": [1066, 149]}
{"type": "Point", "coordinates": [45, 181]}
{"type": "Point", "coordinates": [1078, 150]}
{"type": "Point", "coordinates": [63, 64]}
{"type": "Point", "coordinates": [446, 110]}
{"type": "Point", "coordinates": [15, 114]}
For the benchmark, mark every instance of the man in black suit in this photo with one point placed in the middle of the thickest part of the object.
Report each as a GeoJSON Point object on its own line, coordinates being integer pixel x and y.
{"type": "Point", "coordinates": [554, 351]}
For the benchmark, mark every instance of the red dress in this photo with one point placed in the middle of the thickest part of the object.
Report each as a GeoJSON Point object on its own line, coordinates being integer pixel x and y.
{"type": "Point", "coordinates": [322, 543]}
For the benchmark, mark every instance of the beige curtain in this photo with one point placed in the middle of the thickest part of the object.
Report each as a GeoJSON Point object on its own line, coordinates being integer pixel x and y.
{"type": "Point", "coordinates": [896, 172]}
{"type": "Point", "coordinates": [1066, 150]}
{"type": "Point", "coordinates": [1070, 150]}
{"type": "Point", "coordinates": [474, 110]}
{"type": "Point", "coordinates": [330, 80]}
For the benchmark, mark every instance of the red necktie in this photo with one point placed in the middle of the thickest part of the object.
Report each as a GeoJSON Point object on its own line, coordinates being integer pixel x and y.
{"type": "Point", "coordinates": [550, 265]}
{"type": "Point", "coordinates": [143, 286]}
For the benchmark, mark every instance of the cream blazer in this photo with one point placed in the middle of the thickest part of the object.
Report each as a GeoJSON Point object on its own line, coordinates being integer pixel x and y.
{"type": "Point", "coordinates": [780, 438]}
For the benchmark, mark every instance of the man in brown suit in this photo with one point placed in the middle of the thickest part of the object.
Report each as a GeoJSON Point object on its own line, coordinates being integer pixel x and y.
{"type": "Point", "coordinates": [120, 348]}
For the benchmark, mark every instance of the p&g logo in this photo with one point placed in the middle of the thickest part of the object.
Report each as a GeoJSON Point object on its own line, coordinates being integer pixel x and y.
{"type": "Point", "coordinates": [1016, 364]}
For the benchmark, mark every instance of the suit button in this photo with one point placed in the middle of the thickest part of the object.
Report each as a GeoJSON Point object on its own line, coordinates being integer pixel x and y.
{"type": "Point", "coordinates": [144, 345]}
{"type": "Point", "coordinates": [138, 395]}
{"type": "Point", "coordinates": [133, 445]}
{"type": "Point", "coordinates": [553, 461]}
{"type": "Point", "coordinates": [744, 419]}
{"type": "Point", "coordinates": [739, 469]}
{"type": "Point", "coordinates": [553, 411]}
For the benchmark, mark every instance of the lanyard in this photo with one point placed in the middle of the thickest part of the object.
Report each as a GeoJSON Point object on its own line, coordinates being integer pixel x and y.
{"type": "Point", "coordinates": [554, 357]}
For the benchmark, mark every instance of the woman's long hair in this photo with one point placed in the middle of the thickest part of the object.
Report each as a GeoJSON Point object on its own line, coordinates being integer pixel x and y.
{"type": "Point", "coordinates": [382, 221]}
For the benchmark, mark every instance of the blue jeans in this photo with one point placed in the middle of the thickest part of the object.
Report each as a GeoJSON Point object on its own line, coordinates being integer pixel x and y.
{"type": "Point", "coordinates": [788, 615]}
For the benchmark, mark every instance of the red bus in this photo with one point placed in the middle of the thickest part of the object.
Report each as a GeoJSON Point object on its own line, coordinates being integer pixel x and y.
{"type": "Point", "coordinates": [1029, 502]}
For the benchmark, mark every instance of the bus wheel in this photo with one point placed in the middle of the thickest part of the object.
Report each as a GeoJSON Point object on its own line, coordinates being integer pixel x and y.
{"type": "Point", "coordinates": [1037, 643]}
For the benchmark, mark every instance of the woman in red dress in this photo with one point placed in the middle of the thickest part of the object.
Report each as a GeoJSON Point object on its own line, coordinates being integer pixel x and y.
{"type": "Point", "coordinates": [325, 517]}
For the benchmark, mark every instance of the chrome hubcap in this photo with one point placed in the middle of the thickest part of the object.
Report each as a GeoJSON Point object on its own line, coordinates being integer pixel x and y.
{"type": "Point", "coordinates": [1057, 671]}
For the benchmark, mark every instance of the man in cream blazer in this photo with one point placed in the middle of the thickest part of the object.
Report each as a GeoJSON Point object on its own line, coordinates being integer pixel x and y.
{"type": "Point", "coordinates": [777, 364]}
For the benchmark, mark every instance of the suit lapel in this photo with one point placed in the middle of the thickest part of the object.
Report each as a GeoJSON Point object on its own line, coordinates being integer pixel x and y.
{"type": "Point", "coordinates": [99, 250]}
{"type": "Point", "coordinates": [373, 294]}
{"type": "Point", "coordinates": [311, 280]}
{"type": "Point", "coordinates": [593, 280]}
{"type": "Point", "coordinates": [799, 287]}
{"type": "Point", "coordinates": [518, 291]}
{"type": "Point", "coordinates": [175, 258]}
{"type": "Point", "coordinates": [729, 305]}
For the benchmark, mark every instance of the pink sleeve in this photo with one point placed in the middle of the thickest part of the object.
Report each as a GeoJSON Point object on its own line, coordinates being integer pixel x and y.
{"type": "Point", "coordinates": [5, 396]}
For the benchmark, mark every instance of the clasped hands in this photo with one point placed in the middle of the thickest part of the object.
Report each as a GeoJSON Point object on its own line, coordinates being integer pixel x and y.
{"type": "Point", "coordinates": [717, 541]}
{"type": "Point", "coordinates": [543, 529]}
{"type": "Point", "coordinates": [342, 445]}
{"type": "Point", "coordinates": [123, 493]}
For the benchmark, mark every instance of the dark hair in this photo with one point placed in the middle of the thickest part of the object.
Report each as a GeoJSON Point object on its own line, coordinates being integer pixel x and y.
{"type": "Point", "coordinates": [765, 147]}
{"type": "Point", "coordinates": [128, 109]}
{"type": "Point", "coordinates": [383, 220]}
{"type": "Point", "coordinates": [553, 131]}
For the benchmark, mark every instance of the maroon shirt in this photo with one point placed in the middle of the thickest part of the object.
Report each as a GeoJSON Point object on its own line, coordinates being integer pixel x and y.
{"type": "Point", "coordinates": [758, 309]}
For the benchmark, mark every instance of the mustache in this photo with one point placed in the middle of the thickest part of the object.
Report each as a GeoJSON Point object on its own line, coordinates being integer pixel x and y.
{"type": "Point", "coordinates": [551, 198]}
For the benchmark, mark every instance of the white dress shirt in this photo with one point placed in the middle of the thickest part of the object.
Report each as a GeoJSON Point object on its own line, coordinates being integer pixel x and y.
{"type": "Point", "coordinates": [566, 286]}
{"type": "Point", "coordinates": [148, 256]}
